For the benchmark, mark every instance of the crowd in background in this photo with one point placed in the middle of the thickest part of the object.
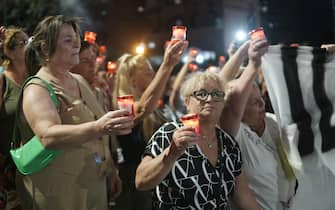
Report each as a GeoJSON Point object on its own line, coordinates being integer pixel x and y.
{"type": "Point", "coordinates": [146, 159]}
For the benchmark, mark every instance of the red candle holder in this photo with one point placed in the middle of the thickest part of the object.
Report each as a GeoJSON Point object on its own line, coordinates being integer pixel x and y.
{"type": "Point", "coordinates": [294, 45]}
{"type": "Point", "coordinates": [192, 67]}
{"type": "Point", "coordinates": [90, 37]}
{"type": "Point", "coordinates": [126, 102]}
{"type": "Point", "coordinates": [257, 33]}
{"type": "Point", "coordinates": [179, 33]}
{"type": "Point", "coordinates": [191, 120]}
{"type": "Point", "coordinates": [160, 104]}
{"type": "Point", "coordinates": [194, 51]}
{"type": "Point", "coordinates": [111, 67]}
{"type": "Point", "coordinates": [102, 49]}
{"type": "Point", "coordinates": [222, 58]}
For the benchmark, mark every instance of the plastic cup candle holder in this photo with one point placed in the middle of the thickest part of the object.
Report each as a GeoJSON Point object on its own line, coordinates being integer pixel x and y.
{"type": "Point", "coordinates": [191, 120]}
{"type": "Point", "coordinates": [111, 67]}
{"type": "Point", "coordinates": [257, 33]}
{"type": "Point", "coordinates": [194, 51]}
{"type": "Point", "coordinates": [178, 33]}
{"type": "Point", "coordinates": [90, 37]}
{"type": "Point", "coordinates": [126, 102]}
{"type": "Point", "coordinates": [192, 67]}
{"type": "Point", "coordinates": [222, 58]}
{"type": "Point", "coordinates": [102, 49]}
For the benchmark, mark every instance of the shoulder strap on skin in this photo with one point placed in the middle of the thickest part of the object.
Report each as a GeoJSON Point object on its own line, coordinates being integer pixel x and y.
{"type": "Point", "coordinates": [14, 142]}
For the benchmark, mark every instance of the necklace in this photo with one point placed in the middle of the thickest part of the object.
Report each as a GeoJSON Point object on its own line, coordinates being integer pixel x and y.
{"type": "Point", "coordinates": [209, 145]}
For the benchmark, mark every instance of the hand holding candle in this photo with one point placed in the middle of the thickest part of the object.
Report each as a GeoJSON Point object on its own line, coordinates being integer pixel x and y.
{"type": "Point", "coordinates": [126, 102]}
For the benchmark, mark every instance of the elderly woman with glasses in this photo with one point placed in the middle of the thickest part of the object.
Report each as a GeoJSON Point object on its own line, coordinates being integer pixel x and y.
{"type": "Point", "coordinates": [200, 171]}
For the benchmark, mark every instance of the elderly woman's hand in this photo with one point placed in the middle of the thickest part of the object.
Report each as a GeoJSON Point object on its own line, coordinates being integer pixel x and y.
{"type": "Point", "coordinates": [173, 52]}
{"type": "Point", "coordinates": [183, 138]}
{"type": "Point", "coordinates": [258, 47]}
{"type": "Point", "coordinates": [117, 122]}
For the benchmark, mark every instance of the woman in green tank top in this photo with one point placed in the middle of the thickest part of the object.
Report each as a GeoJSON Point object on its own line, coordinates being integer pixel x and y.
{"type": "Point", "coordinates": [13, 41]}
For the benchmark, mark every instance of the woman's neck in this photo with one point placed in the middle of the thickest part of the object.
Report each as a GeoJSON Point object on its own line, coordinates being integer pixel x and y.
{"type": "Point", "coordinates": [207, 128]}
{"type": "Point", "coordinates": [56, 73]}
{"type": "Point", "coordinates": [258, 128]}
{"type": "Point", "coordinates": [17, 73]}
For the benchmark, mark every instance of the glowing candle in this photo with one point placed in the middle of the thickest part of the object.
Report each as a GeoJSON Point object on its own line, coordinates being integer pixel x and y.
{"type": "Point", "coordinates": [193, 51]}
{"type": "Point", "coordinates": [222, 58]}
{"type": "Point", "coordinates": [257, 33]}
{"type": "Point", "coordinates": [126, 102]}
{"type": "Point", "coordinates": [294, 45]}
{"type": "Point", "coordinates": [191, 120]}
{"type": "Point", "coordinates": [178, 33]}
{"type": "Point", "coordinates": [102, 49]}
{"type": "Point", "coordinates": [160, 103]}
{"type": "Point", "coordinates": [111, 67]}
{"type": "Point", "coordinates": [90, 37]}
{"type": "Point", "coordinates": [192, 67]}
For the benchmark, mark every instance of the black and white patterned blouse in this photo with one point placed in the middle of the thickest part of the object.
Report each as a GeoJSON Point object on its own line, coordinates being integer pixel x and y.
{"type": "Point", "coordinates": [193, 182]}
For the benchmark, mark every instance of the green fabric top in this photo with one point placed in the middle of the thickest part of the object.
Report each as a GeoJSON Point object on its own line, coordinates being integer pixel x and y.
{"type": "Point", "coordinates": [7, 113]}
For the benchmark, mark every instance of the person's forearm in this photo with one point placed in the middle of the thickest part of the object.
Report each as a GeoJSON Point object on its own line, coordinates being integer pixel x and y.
{"type": "Point", "coordinates": [148, 101]}
{"type": "Point", "coordinates": [231, 68]}
{"type": "Point", "coordinates": [151, 172]}
{"type": "Point", "coordinates": [58, 136]}
{"type": "Point", "coordinates": [237, 98]}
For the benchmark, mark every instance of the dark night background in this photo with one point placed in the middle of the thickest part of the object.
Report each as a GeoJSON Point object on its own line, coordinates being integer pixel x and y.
{"type": "Point", "coordinates": [120, 23]}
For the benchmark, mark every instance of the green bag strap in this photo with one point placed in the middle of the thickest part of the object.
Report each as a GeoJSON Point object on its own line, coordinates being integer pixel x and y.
{"type": "Point", "coordinates": [14, 142]}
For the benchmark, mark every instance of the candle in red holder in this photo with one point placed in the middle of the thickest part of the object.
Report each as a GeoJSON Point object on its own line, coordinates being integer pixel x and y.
{"type": "Point", "coordinates": [90, 37]}
{"type": "Point", "coordinates": [257, 33]}
{"type": "Point", "coordinates": [222, 58]}
{"type": "Point", "coordinates": [192, 67]}
{"type": "Point", "coordinates": [193, 51]}
{"type": "Point", "coordinates": [191, 120]}
{"type": "Point", "coordinates": [126, 102]}
{"type": "Point", "coordinates": [294, 45]}
{"type": "Point", "coordinates": [178, 33]}
{"type": "Point", "coordinates": [102, 49]}
{"type": "Point", "coordinates": [111, 67]}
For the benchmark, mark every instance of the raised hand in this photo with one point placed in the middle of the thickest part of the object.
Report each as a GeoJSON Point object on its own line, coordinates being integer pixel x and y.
{"type": "Point", "coordinates": [174, 51]}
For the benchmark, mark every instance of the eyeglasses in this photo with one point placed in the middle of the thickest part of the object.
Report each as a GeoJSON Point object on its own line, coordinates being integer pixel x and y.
{"type": "Point", "coordinates": [202, 95]}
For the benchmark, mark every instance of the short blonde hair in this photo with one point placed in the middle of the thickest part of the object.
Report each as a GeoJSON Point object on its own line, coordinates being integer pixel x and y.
{"type": "Point", "coordinates": [198, 79]}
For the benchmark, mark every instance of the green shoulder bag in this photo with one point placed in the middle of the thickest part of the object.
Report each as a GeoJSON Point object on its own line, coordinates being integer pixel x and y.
{"type": "Point", "coordinates": [32, 156]}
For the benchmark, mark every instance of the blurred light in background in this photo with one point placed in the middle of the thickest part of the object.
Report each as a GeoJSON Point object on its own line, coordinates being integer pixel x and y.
{"type": "Point", "coordinates": [140, 49]}
{"type": "Point", "coordinates": [240, 35]}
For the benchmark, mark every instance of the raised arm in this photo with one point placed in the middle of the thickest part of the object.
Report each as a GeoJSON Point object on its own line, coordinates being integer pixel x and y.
{"type": "Point", "coordinates": [152, 171]}
{"type": "Point", "coordinates": [239, 90]}
{"type": "Point", "coordinates": [44, 120]}
{"type": "Point", "coordinates": [148, 101]}
{"type": "Point", "coordinates": [243, 197]}
{"type": "Point", "coordinates": [232, 66]}
{"type": "Point", "coordinates": [180, 77]}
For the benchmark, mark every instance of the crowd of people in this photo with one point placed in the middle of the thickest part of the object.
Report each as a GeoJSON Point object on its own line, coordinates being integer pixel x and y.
{"type": "Point", "coordinates": [113, 159]}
